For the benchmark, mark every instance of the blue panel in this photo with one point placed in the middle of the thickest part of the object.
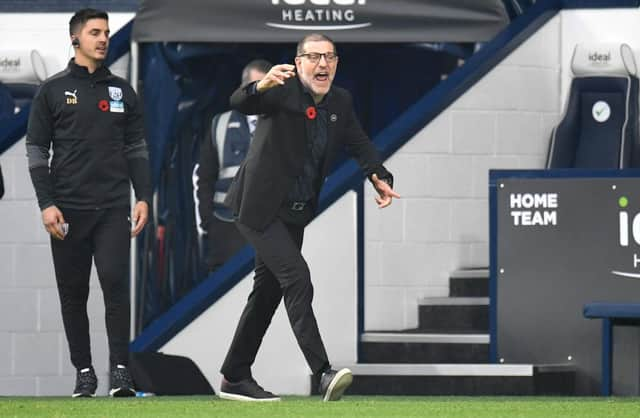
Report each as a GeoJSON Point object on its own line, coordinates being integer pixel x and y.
{"type": "Point", "coordinates": [612, 310]}
{"type": "Point", "coordinates": [607, 360]}
{"type": "Point", "coordinates": [494, 175]}
{"type": "Point", "coordinates": [599, 4]}
{"type": "Point", "coordinates": [361, 268]}
{"type": "Point", "coordinates": [13, 128]}
{"type": "Point", "coordinates": [119, 44]}
{"type": "Point", "coordinates": [493, 266]}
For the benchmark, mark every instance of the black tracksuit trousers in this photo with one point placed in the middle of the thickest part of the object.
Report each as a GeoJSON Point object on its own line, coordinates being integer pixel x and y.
{"type": "Point", "coordinates": [104, 236]}
{"type": "Point", "coordinates": [280, 271]}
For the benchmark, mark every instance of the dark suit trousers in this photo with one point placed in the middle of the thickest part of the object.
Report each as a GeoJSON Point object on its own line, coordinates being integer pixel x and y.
{"type": "Point", "coordinates": [280, 271]}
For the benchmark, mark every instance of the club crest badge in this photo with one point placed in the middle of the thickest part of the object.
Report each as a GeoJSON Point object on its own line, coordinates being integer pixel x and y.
{"type": "Point", "coordinates": [115, 93]}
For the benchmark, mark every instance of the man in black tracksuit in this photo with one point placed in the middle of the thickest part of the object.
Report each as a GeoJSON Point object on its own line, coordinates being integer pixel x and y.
{"type": "Point", "coordinates": [93, 121]}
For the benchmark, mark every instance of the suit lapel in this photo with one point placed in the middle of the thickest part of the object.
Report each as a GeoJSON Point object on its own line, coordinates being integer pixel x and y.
{"type": "Point", "coordinates": [332, 139]}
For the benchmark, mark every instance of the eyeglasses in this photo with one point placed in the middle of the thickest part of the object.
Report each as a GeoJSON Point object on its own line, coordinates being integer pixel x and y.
{"type": "Point", "coordinates": [315, 57]}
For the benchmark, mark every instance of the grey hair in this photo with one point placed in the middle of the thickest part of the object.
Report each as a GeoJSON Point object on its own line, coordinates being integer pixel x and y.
{"type": "Point", "coordinates": [314, 37]}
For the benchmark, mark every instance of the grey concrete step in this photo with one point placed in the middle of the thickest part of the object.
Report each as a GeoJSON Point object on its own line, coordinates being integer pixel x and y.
{"type": "Point", "coordinates": [403, 347]}
{"type": "Point", "coordinates": [460, 379]}
{"type": "Point", "coordinates": [469, 283]}
{"type": "Point", "coordinates": [454, 314]}
{"type": "Point", "coordinates": [431, 338]}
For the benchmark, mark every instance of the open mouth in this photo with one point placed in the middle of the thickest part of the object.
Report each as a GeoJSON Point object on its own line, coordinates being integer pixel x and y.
{"type": "Point", "coordinates": [322, 77]}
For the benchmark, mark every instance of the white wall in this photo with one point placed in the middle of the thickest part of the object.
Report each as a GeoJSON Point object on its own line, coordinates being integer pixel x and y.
{"type": "Point", "coordinates": [503, 122]}
{"type": "Point", "coordinates": [34, 358]}
{"type": "Point", "coordinates": [330, 250]}
{"type": "Point", "coordinates": [441, 224]}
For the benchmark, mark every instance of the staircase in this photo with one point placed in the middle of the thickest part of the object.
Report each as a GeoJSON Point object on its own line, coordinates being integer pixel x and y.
{"type": "Point", "coordinates": [448, 354]}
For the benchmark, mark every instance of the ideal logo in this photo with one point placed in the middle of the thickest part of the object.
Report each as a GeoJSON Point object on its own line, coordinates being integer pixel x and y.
{"type": "Point", "coordinates": [623, 222]}
{"type": "Point", "coordinates": [627, 230]}
{"type": "Point", "coordinates": [540, 209]}
{"type": "Point", "coordinates": [599, 58]}
{"type": "Point", "coordinates": [330, 15]}
{"type": "Point", "coordinates": [9, 65]}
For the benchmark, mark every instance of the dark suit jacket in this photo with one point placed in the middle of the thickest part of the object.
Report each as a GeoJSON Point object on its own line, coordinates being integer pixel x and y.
{"type": "Point", "coordinates": [277, 152]}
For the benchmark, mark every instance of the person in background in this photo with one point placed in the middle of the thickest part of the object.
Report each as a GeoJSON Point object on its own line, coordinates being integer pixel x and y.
{"type": "Point", "coordinates": [93, 122]}
{"type": "Point", "coordinates": [223, 149]}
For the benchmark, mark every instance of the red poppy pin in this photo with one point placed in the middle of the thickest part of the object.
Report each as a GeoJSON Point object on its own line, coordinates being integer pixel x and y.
{"type": "Point", "coordinates": [311, 112]}
{"type": "Point", "coordinates": [103, 105]}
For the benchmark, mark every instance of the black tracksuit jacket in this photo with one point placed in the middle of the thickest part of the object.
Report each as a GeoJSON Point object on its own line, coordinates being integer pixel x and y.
{"type": "Point", "coordinates": [94, 124]}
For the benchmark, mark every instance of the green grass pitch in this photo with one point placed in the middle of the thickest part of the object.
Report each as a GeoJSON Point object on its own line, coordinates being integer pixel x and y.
{"type": "Point", "coordinates": [302, 407]}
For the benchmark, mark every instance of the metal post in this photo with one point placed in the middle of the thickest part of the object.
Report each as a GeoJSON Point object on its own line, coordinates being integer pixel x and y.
{"type": "Point", "coordinates": [133, 264]}
{"type": "Point", "coordinates": [360, 240]}
{"type": "Point", "coordinates": [607, 354]}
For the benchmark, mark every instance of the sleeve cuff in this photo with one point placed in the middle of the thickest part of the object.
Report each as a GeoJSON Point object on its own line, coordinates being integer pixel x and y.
{"type": "Point", "coordinates": [252, 88]}
{"type": "Point", "coordinates": [383, 174]}
{"type": "Point", "coordinates": [145, 199]}
{"type": "Point", "coordinates": [46, 205]}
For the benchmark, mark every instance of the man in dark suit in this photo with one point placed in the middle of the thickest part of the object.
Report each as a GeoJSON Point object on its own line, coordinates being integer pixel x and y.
{"type": "Point", "coordinates": [304, 121]}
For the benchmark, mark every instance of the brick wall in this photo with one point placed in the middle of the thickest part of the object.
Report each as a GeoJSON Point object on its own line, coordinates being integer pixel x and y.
{"type": "Point", "coordinates": [441, 223]}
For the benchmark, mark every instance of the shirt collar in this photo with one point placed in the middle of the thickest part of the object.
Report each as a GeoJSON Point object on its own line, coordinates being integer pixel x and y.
{"type": "Point", "coordinates": [100, 73]}
{"type": "Point", "coordinates": [252, 121]}
{"type": "Point", "coordinates": [323, 102]}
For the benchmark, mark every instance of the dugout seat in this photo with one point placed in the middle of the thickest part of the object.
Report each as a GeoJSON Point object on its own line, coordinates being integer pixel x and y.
{"type": "Point", "coordinates": [21, 72]}
{"type": "Point", "coordinates": [612, 314]}
{"type": "Point", "coordinates": [600, 125]}
{"type": "Point", "coordinates": [7, 104]}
